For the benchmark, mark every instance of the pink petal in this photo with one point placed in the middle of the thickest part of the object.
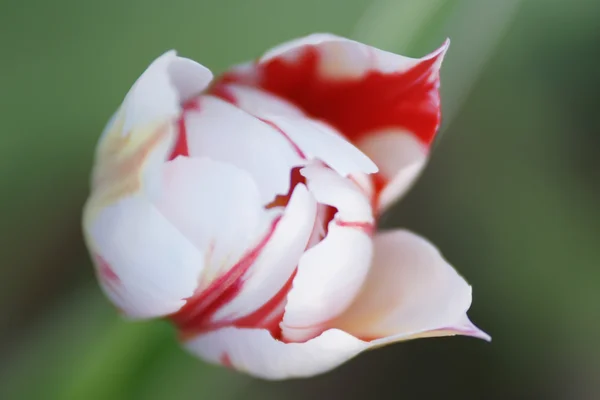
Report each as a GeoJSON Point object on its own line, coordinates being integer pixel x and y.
{"type": "Point", "coordinates": [331, 273]}
{"type": "Point", "coordinates": [256, 352]}
{"type": "Point", "coordinates": [411, 292]}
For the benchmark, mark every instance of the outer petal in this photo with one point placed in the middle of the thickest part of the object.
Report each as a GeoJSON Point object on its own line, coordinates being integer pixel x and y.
{"type": "Point", "coordinates": [411, 292]}
{"type": "Point", "coordinates": [145, 265]}
{"type": "Point", "coordinates": [139, 136]}
{"type": "Point", "coordinates": [354, 87]}
{"type": "Point", "coordinates": [223, 132]}
{"type": "Point", "coordinates": [254, 351]}
{"type": "Point", "coordinates": [331, 273]}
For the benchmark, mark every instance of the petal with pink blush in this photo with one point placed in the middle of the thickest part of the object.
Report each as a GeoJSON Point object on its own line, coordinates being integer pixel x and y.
{"type": "Point", "coordinates": [223, 132]}
{"type": "Point", "coordinates": [277, 260]}
{"type": "Point", "coordinates": [331, 273]}
{"type": "Point", "coordinates": [400, 158]}
{"type": "Point", "coordinates": [410, 292]}
{"type": "Point", "coordinates": [257, 353]}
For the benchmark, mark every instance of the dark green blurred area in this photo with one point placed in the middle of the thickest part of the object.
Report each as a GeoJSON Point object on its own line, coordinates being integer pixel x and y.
{"type": "Point", "coordinates": [510, 196]}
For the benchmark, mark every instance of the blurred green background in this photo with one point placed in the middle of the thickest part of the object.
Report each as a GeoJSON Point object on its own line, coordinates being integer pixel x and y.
{"type": "Point", "coordinates": [511, 194]}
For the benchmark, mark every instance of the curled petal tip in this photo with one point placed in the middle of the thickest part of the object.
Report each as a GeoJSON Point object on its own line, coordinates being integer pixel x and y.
{"type": "Point", "coordinates": [444, 47]}
{"type": "Point", "coordinates": [470, 329]}
{"type": "Point", "coordinates": [439, 53]}
{"type": "Point", "coordinates": [482, 335]}
{"type": "Point", "coordinates": [169, 53]}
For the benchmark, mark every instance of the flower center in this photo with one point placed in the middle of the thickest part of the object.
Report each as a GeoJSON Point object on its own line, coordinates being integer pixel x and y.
{"type": "Point", "coordinates": [197, 315]}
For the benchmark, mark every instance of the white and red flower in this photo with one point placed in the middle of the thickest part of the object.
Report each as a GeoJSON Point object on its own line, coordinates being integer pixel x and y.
{"type": "Point", "coordinates": [245, 209]}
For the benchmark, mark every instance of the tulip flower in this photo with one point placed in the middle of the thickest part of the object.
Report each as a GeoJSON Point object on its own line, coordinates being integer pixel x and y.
{"type": "Point", "coordinates": [244, 209]}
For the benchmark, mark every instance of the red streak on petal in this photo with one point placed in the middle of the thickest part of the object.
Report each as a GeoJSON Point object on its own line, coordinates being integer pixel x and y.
{"type": "Point", "coordinates": [367, 227]}
{"type": "Point", "coordinates": [379, 183]}
{"type": "Point", "coordinates": [324, 215]}
{"type": "Point", "coordinates": [285, 135]}
{"type": "Point", "coordinates": [195, 316]}
{"type": "Point", "coordinates": [281, 200]}
{"type": "Point", "coordinates": [181, 145]}
{"type": "Point", "coordinates": [224, 93]}
{"type": "Point", "coordinates": [105, 271]}
{"type": "Point", "coordinates": [225, 361]}
{"type": "Point", "coordinates": [222, 90]}
{"type": "Point", "coordinates": [265, 317]}
{"type": "Point", "coordinates": [108, 277]}
{"type": "Point", "coordinates": [407, 99]}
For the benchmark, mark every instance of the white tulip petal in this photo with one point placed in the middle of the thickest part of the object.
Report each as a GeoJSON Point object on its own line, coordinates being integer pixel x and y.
{"type": "Point", "coordinates": [277, 260]}
{"type": "Point", "coordinates": [223, 132]}
{"type": "Point", "coordinates": [145, 265]}
{"type": "Point", "coordinates": [260, 103]}
{"type": "Point", "coordinates": [217, 206]}
{"type": "Point", "coordinates": [331, 273]}
{"type": "Point", "coordinates": [141, 133]}
{"type": "Point", "coordinates": [411, 292]}
{"type": "Point", "coordinates": [400, 157]}
{"type": "Point", "coordinates": [315, 139]}
{"type": "Point", "coordinates": [330, 188]}
{"type": "Point", "coordinates": [257, 353]}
